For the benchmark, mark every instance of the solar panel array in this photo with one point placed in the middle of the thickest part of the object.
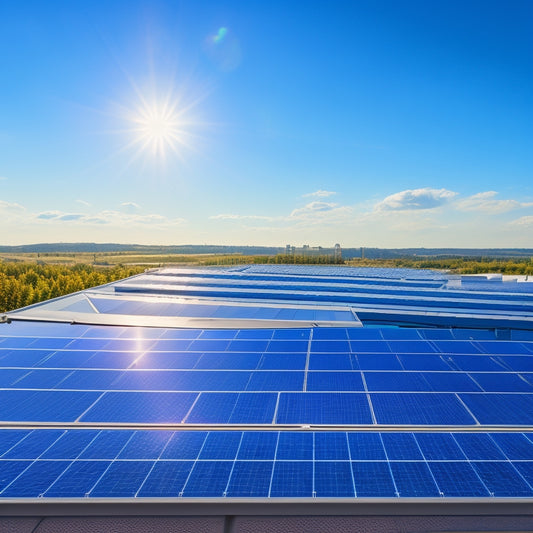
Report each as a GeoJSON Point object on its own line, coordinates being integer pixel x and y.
{"type": "Point", "coordinates": [110, 411]}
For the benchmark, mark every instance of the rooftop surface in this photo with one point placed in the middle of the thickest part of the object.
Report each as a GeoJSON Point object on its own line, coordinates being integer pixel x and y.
{"type": "Point", "coordinates": [271, 384]}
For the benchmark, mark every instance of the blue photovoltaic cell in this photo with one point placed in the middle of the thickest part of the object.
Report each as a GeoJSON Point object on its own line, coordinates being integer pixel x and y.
{"type": "Point", "coordinates": [425, 408]}
{"type": "Point", "coordinates": [141, 407]}
{"type": "Point", "coordinates": [518, 363]}
{"type": "Point", "coordinates": [507, 409]}
{"type": "Point", "coordinates": [331, 447]}
{"type": "Point", "coordinates": [423, 362]}
{"type": "Point", "coordinates": [44, 406]}
{"type": "Point", "coordinates": [333, 479]}
{"type": "Point", "coordinates": [288, 346]}
{"type": "Point", "coordinates": [167, 360]}
{"type": "Point", "coordinates": [145, 445]}
{"type": "Point", "coordinates": [451, 382]}
{"type": "Point", "coordinates": [23, 358]}
{"type": "Point", "coordinates": [400, 334]}
{"type": "Point", "coordinates": [436, 334]}
{"type": "Point", "coordinates": [33, 445]}
{"type": "Point", "coordinates": [478, 446]}
{"type": "Point", "coordinates": [439, 446]}
{"type": "Point", "coordinates": [218, 345]}
{"type": "Point", "coordinates": [184, 445]}
{"type": "Point", "coordinates": [369, 346]}
{"type": "Point", "coordinates": [457, 347]}
{"type": "Point", "coordinates": [526, 470]}
{"type": "Point", "coordinates": [282, 361]}
{"type": "Point", "coordinates": [469, 363]}
{"type": "Point", "coordinates": [66, 359]}
{"type": "Point", "coordinates": [332, 361]}
{"type": "Point", "coordinates": [217, 472]}
{"type": "Point", "coordinates": [249, 346]}
{"type": "Point", "coordinates": [118, 360]}
{"type": "Point", "coordinates": [77, 480]}
{"type": "Point", "coordinates": [249, 334]}
{"type": "Point", "coordinates": [107, 445]}
{"type": "Point", "coordinates": [90, 380]}
{"type": "Point", "coordinates": [330, 346]}
{"type": "Point", "coordinates": [411, 347]}
{"type": "Point", "coordinates": [366, 447]}
{"type": "Point", "coordinates": [330, 334]}
{"type": "Point", "coordinates": [334, 381]}
{"type": "Point", "coordinates": [473, 334]}
{"type": "Point", "coordinates": [10, 437]}
{"type": "Point", "coordinates": [9, 470]}
{"type": "Point", "coordinates": [401, 447]}
{"type": "Point", "coordinates": [414, 479]}
{"type": "Point", "coordinates": [295, 447]}
{"type": "Point", "coordinates": [501, 382]}
{"type": "Point", "coordinates": [358, 334]}
{"type": "Point", "coordinates": [323, 408]}
{"type": "Point", "coordinates": [396, 381]}
{"type": "Point", "coordinates": [70, 445]}
{"type": "Point", "coordinates": [503, 347]}
{"type": "Point", "coordinates": [456, 479]}
{"type": "Point", "coordinates": [50, 343]}
{"type": "Point", "coordinates": [276, 381]}
{"type": "Point", "coordinates": [254, 408]}
{"type": "Point", "coordinates": [10, 376]}
{"type": "Point", "coordinates": [166, 479]}
{"type": "Point", "coordinates": [379, 361]}
{"type": "Point", "coordinates": [229, 361]}
{"type": "Point", "coordinates": [292, 479]}
{"type": "Point", "coordinates": [293, 334]}
{"type": "Point", "coordinates": [221, 445]}
{"type": "Point", "coordinates": [373, 480]}
{"type": "Point", "coordinates": [218, 334]}
{"type": "Point", "coordinates": [250, 479]}
{"type": "Point", "coordinates": [502, 480]}
{"type": "Point", "coordinates": [122, 479]}
{"type": "Point", "coordinates": [258, 446]}
{"type": "Point", "coordinates": [34, 481]}
{"type": "Point", "coordinates": [514, 445]}
{"type": "Point", "coordinates": [212, 408]}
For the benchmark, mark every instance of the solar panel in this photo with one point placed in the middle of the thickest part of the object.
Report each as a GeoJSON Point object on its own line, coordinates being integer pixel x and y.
{"type": "Point", "coordinates": [276, 412]}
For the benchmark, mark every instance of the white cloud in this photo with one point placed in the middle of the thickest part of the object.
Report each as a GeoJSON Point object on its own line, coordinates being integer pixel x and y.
{"type": "Point", "coordinates": [312, 208]}
{"type": "Point", "coordinates": [10, 207]}
{"type": "Point", "coordinates": [415, 199]}
{"type": "Point", "coordinates": [113, 218]}
{"type": "Point", "coordinates": [319, 194]}
{"type": "Point", "coordinates": [523, 222]}
{"type": "Point", "coordinates": [2, 178]}
{"type": "Point", "coordinates": [229, 216]}
{"type": "Point", "coordinates": [83, 202]}
{"type": "Point", "coordinates": [130, 206]}
{"type": "Point", "coordinates": [487, 203]}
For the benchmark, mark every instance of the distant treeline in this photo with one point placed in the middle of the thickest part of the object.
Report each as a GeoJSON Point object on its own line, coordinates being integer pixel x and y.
{"type": "Point", "coordinates": [23, 284]}
{"type": "Point", "coordinates": [347, 253]}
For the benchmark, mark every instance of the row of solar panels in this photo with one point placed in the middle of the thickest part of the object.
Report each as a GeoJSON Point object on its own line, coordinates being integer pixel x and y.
{"type": "Point", "coordinates": [343, 465]}
{"type": "Point", "coordinates": [262, 381]}
{"type": "Point", "coordinates": [40, 331]}
{"type": "Point", "coordinates": [335, 408]}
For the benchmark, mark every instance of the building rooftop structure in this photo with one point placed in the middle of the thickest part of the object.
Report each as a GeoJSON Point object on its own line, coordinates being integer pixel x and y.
{"type": "Point", "coordinates": [260, 397]}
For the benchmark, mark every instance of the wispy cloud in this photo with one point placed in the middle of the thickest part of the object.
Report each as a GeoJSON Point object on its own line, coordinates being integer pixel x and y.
{"type": "Point", "coordinates": [230, 216]}
{"type": "Point", "coordinates": [523, 222]}
{"type": "Point", "coordinates": [319, 194]}
{"type": "Point", "coordinates": [312, 208]}
{"type": "Point", "coordinates": [130, 206]}
{"type": "Point", "coordinates": [2, 178]}
{"type": "Point", "coordinates": [486, 202]}
{"type": "Point", "coordinates": [415, 199]}
{"type": "Point", "coordinates": [83, 202]}
{"type": "Point", "coordinates": [112, 218]}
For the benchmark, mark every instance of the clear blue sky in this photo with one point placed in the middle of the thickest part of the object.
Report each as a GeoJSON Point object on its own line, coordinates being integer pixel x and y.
{"type": "Point", "coordinates": [375, 123]}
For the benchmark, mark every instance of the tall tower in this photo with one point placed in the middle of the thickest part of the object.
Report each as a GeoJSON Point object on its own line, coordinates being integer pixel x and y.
{"type": "Point", "coordinates": [338, 253]}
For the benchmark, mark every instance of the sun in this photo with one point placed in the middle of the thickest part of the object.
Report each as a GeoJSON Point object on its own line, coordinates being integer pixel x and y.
{"type": "Point", "coordinates": [158, 128]}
